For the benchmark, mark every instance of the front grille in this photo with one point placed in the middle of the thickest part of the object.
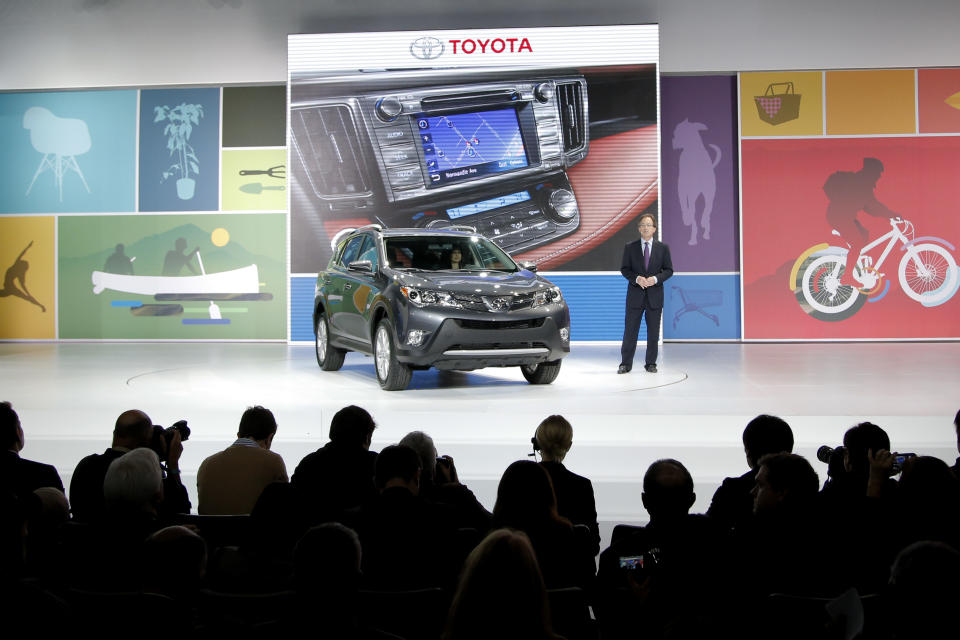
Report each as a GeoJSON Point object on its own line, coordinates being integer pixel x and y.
{"type": "Point", "coordinates": [493, 325]}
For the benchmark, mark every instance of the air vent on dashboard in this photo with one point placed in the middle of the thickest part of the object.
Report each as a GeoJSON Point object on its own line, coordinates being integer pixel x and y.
{"type": "Point", "coordinates": [328, 142]}
{"type": "Point", "coordinates": [570, 96]}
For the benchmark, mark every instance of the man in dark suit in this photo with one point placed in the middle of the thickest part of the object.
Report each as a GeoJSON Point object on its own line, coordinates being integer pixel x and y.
{"type": "Point", "coordinates": [646, 265]}
{"type": "Point", "coordinates": [17, 474]}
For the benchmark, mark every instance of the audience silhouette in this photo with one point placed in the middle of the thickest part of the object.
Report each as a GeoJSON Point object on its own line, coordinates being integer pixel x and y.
{"type": "Point", "coordinates": [354, 532]}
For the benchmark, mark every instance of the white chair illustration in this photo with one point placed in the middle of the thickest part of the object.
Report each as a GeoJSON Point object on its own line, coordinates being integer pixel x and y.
{"type": "Point", "coordinates": [60, 140]}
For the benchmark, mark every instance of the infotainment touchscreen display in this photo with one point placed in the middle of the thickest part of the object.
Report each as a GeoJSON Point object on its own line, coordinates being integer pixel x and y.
{"type": "Point", "coordinates": [463, 146]}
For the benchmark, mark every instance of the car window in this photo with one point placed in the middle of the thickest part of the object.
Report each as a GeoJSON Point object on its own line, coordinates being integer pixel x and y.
{"type": "Point", "coordinates": [351, 250]}
{"type": "Point", "coordinates": [440, 253]}
{"type": "Point", "coordinates": [369, 252]}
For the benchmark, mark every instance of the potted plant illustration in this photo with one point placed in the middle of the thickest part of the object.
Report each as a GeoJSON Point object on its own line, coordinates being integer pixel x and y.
{"type": "Point", "coordinates": [180, 122]}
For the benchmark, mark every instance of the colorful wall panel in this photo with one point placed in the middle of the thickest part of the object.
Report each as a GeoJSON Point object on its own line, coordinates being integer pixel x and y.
{"type": "Point", "coordinates": [27, 257]}
{"type": "Point", "coordinates": [851, 236]}
{"type": "Point", "coordinates": [102, 266]}
{"type": "Point", "coordinates": [699, 172]}
{"type": "Point", "coordinates": [175, 277]}
{"type": "Point", "coordinates": [179, 149]}
{"type": "Point", "coordinates": [68, 152]}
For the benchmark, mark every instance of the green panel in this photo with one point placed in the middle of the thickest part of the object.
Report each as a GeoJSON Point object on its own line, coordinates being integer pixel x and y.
{"type": "Point", "coordinates": [225, 242]}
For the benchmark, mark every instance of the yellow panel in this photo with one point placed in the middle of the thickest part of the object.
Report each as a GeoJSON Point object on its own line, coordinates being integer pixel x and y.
{"type": "Point", "coordinates": [871, 102]}
{"type": "Point", "coordinates": [27, 300]}
{"type": "Point", "coordinates": [783, 103]}
{"type": "Point", "coordinates": [261, 186]}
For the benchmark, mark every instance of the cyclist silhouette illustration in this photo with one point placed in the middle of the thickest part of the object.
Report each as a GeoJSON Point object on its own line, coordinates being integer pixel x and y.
{"type": "Point", "coordinates": [851, 192]}
{"type": "Point", "coordinates": [17, 273]}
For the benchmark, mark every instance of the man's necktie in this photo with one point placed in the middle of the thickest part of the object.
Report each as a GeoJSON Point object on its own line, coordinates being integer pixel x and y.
{"type": "Point", "coordinates": [646, 255]}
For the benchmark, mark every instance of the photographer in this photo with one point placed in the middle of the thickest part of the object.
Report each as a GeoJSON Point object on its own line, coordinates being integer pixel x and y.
{"type": "Point", "coordinates": [857, 503]}
{"type": "Point", "coordinates": [440, 484]}
{"type": "Point", "coordinates": [133, 429]}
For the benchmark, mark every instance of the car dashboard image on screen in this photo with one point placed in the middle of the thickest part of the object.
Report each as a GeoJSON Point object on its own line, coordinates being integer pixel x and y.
{"type": "Point", "coordinates": [488, 155]}
{"type": "Point", "coordinates": [544, 140]}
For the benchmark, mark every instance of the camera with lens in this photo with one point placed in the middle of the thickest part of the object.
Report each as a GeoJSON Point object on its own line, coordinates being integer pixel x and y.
{"type": "Point", "coordinates": [162, 437]}
{"type": "Point", "coordinates": [833, 458]}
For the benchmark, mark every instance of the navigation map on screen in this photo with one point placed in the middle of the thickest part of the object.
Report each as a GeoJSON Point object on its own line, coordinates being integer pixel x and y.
{"type": "Point", "coordinates": [469, 145]}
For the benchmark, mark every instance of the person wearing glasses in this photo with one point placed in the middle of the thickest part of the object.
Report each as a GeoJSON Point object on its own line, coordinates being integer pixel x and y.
{"type": "Point", "coordinates": [646, 265]}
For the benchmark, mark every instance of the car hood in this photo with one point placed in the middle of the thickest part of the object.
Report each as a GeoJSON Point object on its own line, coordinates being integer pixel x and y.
{"type": "Point", "coordinates": [477, 282]}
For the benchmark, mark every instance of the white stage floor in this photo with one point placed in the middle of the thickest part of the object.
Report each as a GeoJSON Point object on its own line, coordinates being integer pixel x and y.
{"type": "Point", "coordinates": [694, 409]}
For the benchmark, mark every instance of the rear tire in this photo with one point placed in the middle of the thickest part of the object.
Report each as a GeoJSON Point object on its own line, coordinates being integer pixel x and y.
{"type": "Point", "coordinates": [392, 374]}
{"type": "Point", "coordinates": [328, 357]}
{"type": "Point", "coordinates": [543, 373]}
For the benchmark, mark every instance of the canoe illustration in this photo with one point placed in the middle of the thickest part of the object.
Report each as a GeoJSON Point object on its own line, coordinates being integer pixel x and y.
{"type": "Point", "coordinates": [242, 280]}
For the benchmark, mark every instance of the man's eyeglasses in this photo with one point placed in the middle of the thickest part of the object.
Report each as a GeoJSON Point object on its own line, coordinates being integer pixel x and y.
{"type": "Point", "coordinates": [647, 224]}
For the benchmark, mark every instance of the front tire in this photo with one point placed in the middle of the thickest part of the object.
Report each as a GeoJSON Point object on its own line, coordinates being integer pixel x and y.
{"type": "Point", "coordinates": [392, 374]}
{"type": "Point", "coordinates": [328, 357]}
{"type": "Point", "coordinates": [543, 373]}
{"type": "Point", "coordinates": [928, 274]}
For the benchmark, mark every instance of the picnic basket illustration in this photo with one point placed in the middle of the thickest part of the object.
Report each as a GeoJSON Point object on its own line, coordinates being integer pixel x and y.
{"type": "Point", "coordinates": [777, 106]}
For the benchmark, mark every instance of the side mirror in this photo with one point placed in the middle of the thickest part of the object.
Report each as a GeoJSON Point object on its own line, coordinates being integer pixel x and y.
{"type": "Point", "coordinates": [529, 266]}
{"type": "Point", "coordinates": [361, 265]}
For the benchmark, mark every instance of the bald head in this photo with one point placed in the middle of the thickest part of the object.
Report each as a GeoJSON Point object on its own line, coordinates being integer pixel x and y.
{"type": "Point", "coordinates": [667, 490]}
{"type": "Point", "coordinates": [133, 429]}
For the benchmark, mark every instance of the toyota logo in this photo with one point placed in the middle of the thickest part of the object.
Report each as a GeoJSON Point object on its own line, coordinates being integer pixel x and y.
{"type": "Point", "coordinates": [497, 304]}
{"type": "Point", "coordinates": [426, 48]}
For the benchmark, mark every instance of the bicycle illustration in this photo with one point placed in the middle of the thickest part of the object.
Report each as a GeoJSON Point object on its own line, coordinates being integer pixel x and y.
{"type": "Point", "coordinates": [927, 273]}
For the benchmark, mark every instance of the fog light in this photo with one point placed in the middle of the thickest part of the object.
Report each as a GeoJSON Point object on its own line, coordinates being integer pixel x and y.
{"type": "Point", "coordinates": [416, 337]}
{"type": "Point", "coordinates": [564, 334]}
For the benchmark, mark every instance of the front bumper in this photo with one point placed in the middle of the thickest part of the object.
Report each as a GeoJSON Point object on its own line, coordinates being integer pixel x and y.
{"type": "Point", "coordinates": [467, 340]}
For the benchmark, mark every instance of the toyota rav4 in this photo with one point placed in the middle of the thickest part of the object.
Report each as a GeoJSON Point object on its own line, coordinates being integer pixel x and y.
{"type": "Point", "coordinates": [444, 298]}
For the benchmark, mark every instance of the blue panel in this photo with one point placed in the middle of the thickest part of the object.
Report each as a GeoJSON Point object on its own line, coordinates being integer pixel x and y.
{"type": "Point", "coordinates": [702, 307]}
{"type": "Point", "coordinates": [179, 149]}
{"type": "Point", "coordinates": [596, 307]}
{"type": "Point", "coordinates": [67, 151]}
{"type": "Point", "coordinates": [301, 308]}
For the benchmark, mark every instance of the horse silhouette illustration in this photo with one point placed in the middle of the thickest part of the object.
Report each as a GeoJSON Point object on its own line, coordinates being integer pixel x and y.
{"type": "Point", "coordinates": [60, 140]}
{"type": "Point", "coordinates": [696, 178]}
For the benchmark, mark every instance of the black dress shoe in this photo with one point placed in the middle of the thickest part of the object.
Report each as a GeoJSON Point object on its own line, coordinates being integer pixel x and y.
{"type": "Point", "coordinates": [623, 369]}
{"type": "Point", "coordinates": [652, 368]}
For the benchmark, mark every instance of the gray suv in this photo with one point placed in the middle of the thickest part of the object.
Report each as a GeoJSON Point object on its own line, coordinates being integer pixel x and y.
{"type": "Point", "coordinates": [444, 298]}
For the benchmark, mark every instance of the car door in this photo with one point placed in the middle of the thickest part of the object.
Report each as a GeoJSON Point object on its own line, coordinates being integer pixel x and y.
{"type": "Point", "coordinates": [359, 290]}
{"type": "Point", "coordinates": [339, 298]}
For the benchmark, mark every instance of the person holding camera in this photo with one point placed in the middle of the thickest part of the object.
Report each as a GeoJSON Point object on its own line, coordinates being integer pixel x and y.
{"type": "Point", "coordinates": [669, 573]}
{"type": "Point", "coordinates": [133, 429]}
{"type": "Point", "coordinates": [440, 484]}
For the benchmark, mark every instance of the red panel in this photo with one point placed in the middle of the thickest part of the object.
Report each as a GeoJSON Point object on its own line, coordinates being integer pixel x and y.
{"type": "Point", "coordinates": [784, 214]}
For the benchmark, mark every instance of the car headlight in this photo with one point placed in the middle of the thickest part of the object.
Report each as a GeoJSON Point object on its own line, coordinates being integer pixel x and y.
{"type": "Point", "coordinates": [547, 296]}
{"type": "Point", "coordinates": [423, 297]}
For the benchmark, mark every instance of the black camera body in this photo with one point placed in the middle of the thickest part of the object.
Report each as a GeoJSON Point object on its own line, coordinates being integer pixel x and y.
{"type": "Point", "coordinates": [162, 437]}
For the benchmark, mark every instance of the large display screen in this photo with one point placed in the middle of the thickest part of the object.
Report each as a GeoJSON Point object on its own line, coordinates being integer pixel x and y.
{"type": "Point", "coordinates": [463, 146]}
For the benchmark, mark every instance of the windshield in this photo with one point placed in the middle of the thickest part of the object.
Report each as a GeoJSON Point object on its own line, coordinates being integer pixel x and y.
{"type": "Point", "coordinates": [446, 253]}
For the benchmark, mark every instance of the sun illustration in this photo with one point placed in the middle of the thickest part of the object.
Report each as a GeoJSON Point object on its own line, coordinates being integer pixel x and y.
{"type": "Point", "coordinates": [220, 237]}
